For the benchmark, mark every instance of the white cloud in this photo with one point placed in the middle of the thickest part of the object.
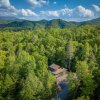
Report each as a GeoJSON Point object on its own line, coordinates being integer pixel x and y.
{"type": "Point", "coordinates": [85, 12]}
{"type": "Point", "coordinates": [66, 11]}
{"type": "Point", "coordinates": [5, 4]}
{"type": "Point", "coordinates": [27, 12]}
{"type": "Point", "coordinates": [50, 13]}
{"type": "Point", "coordinates": [37, 3]}
{"type": "Point", "coordinates": [6, 9]}
{"type": "Point", "coordinates": [79, 12]}
{"type": "Point", "coordinates": [97, 8]}
{"type": "Point", "coordinates": [53, 13]}
{"type": "Point", "coordinates": [58, 13]}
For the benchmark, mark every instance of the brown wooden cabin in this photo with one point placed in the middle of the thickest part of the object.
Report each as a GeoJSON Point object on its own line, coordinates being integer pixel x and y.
{"type": "Point", "coordinates": [58, 72]}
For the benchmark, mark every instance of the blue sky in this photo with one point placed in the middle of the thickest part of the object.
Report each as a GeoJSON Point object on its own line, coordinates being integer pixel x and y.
{"type": "Point", "coordinates": [70, 10]}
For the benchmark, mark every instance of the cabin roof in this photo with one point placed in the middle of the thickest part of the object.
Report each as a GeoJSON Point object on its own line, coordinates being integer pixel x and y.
{"type": "Point", "coordinates": [60, 70]}
{"type": "Point", "coordinates": [54, 66]}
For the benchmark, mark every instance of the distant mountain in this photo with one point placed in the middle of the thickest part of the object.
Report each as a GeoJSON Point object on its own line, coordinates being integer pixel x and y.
{"type": "Point", "coordinates": [95, 22]}
{"type": "Point", "coordinates": [8, 19]}
{"type": "Point", "coordinates": [61, 23]}
{"type": "Point", "coordinates": [55, 23]}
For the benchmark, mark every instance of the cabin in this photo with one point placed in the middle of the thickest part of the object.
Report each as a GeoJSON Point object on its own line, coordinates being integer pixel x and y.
{"type": "Point", "coordinates": [58, 72]}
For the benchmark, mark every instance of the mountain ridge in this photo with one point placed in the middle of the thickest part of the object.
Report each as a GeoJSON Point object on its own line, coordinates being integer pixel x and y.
{"type": "Point", "coordinates": [54, 23]}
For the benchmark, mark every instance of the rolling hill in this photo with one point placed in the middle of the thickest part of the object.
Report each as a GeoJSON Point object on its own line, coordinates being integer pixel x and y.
{"type": "Point", "coordinates": [55, 23]}
{"type": "Point", "coordinates": [6, 20]}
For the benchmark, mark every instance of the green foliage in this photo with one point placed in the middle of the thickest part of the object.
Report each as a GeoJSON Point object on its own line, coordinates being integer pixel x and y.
{"type": "Point", "coordinates": [83, 98]}
{"type": "Point", "coordinates": [73, 81]}
{"type": "Point", "coordinates": [25, 55]}
{"type": "Point", "coordinates": [85, 77]}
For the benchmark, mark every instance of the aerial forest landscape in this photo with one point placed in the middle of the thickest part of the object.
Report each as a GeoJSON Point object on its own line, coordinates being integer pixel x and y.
{"type": "Point", "coordinates": [49, 49]}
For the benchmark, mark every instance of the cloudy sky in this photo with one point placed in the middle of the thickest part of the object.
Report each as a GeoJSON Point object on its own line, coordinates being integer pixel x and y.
{"type": "Point", "coordinates": [70, 10]}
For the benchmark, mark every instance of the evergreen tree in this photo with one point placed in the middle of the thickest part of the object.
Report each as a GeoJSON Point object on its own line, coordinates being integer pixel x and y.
{"type": "Point", "coordinates": [70, 53]}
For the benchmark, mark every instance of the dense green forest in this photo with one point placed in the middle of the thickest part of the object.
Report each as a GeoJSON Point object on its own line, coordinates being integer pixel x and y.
{"type": "Point", "coordinates": [25, 55]}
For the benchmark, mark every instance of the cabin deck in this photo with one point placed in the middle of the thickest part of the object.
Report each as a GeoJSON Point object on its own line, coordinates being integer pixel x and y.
{"type": "Point", "coordinates": [58, 72]}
